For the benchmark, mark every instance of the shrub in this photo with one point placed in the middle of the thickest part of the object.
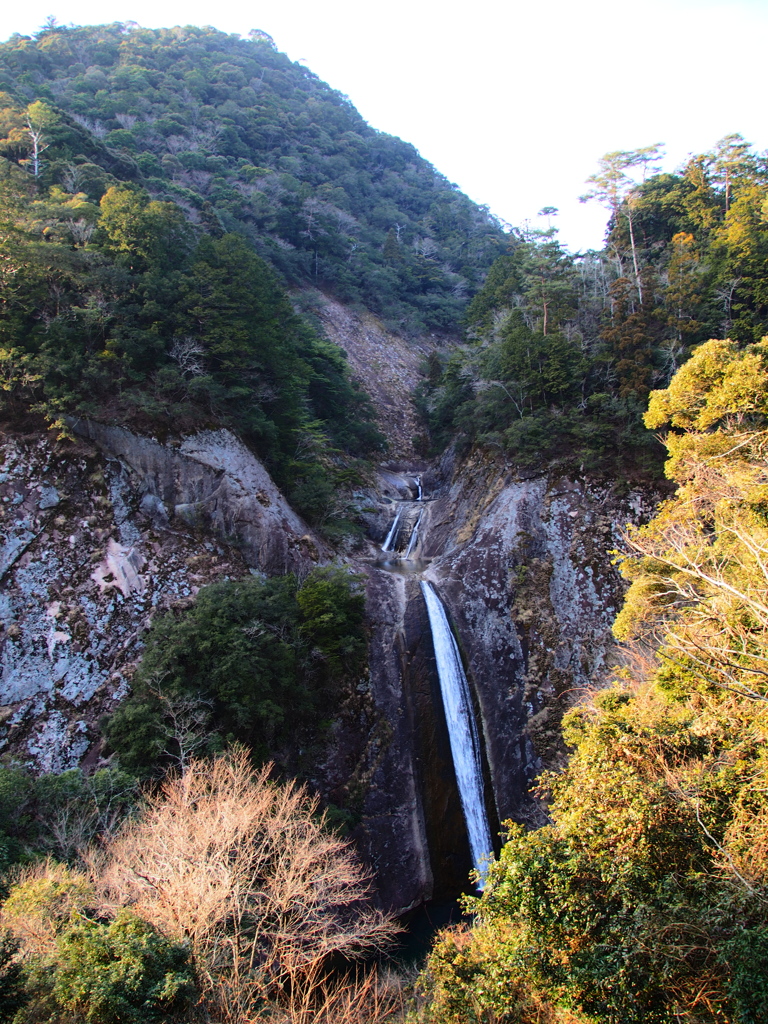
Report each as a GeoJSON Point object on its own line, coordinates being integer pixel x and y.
{"type": "Point", "coordinates": [253, 659]}
{"type": "Point", "coordinates": [124, 972]}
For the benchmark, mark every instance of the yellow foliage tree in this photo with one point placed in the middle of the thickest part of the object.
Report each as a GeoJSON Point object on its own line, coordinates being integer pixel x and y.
{"type": "Point", "coordinates": [699, 569]}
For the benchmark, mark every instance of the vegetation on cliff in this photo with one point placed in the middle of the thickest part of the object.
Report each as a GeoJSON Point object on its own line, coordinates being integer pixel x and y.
{"type": "Point", "coordinates": [159, 190]}
{"type": "Point", "coordinates": [646, 898]}
{"type": "Point", "coordinates": [146, 322]}
{"type": "Point", "coordinates": [257, 660]}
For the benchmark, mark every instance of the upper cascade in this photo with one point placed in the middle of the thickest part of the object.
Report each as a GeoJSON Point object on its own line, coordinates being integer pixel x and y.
{"type": "Point", "coordinates": [392, 535]}
{"type": "Point", "coordinates": [403, 535]}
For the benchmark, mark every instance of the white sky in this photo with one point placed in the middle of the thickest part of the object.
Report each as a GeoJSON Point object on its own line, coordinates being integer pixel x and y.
{"type": "Point", "coordinates": [514, 101]}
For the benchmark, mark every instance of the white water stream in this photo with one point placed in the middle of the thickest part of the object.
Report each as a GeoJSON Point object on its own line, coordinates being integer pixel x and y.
{"type": "Point", "coordinates": [414, 536]}
{"type": "Point", "coordinates": [462, 731]}
{"type": "Point", "coordinates": [387, 545]}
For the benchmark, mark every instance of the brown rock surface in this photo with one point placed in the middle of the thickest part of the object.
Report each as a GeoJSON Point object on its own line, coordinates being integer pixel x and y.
{"type": "Point", "coordinates": [386, 366]}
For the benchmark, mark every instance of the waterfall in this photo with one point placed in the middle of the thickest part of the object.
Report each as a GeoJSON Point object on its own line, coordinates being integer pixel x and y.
{"type": "Point", "coordinates": [418, 484]}
{"type": "Point", "coordinates": [387, 545]}
{"type": "Point", "coordinates": [414, 536]}
{"type": "Point", "coordinates": [462, 731]}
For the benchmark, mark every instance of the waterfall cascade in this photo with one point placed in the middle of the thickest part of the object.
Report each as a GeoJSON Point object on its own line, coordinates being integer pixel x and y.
{"type": "Point", "coordinates": [414, 536]}
{"type": "Point", "coordinates": [392, 535]}
{"type": "Point", "coordinates": [406, 524]}
{"type": "Point", "coordinates": [462, 731]}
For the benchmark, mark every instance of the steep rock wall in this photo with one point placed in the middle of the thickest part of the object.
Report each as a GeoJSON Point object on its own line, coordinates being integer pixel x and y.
{"type": "Point", "coordinates": [96, 537]}
{"type": "Point", "coordinates": [524, 568]}
{"type": "Point", "coordinates": [211, 481]}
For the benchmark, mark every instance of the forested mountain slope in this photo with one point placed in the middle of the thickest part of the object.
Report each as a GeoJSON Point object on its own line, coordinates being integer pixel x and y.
{"type": "Point", "coordinates": [562, 349]}
{"type": "Point", "coordinates": [247, 141]}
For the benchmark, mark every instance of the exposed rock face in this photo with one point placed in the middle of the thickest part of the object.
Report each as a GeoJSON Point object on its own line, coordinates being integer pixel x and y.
{"type": "Point", "coordinates": [392, 834]}
{"type": "Point", "coordinates": [95, 539]}
{"type": "Point", "coordinates": [99, 535]}
{"type": "Point", "coordinates": [387, 367]}
{"type": "Point", "coordinates": [524, 569]}
{"type": "Point", "coordinates": [211, 481]}
{"type": "Point", "coordinates": [526, 572]}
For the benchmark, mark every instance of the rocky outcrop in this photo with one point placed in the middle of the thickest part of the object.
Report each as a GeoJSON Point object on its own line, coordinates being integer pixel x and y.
{"type": "Point", "coordinates": [386, 366]}
{"type": "Point", "coordinates": [210, 481]}
{"type": "Point", "coordinates": [525, 569]}
{"type": "Point", "coordinates": [99, 535]}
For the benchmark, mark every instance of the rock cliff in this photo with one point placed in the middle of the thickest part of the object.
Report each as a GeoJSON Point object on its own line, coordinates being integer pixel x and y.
{"type": "Point", "coordinates": [524, 568]}
{"type": "Point", "coordinates": [101, 533]}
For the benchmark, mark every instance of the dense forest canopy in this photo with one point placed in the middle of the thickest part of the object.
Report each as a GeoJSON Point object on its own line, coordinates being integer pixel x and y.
{"type": "Point", "coordinates": [246, 141]}
{"type": "Point", "coordinates": [563, 350]}
{"type": "Point", "coordinates": [120, 311]}
{"type": "Point", "coordinates": [159, 189]}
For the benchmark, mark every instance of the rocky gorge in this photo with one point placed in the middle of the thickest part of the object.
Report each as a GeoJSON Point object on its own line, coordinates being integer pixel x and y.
{"type": "Point", "coordinates": [102, 530]}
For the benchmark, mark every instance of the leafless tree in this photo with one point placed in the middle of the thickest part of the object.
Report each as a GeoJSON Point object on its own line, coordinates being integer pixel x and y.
{"type": "Point", "coordinates": [81, 230]}
{"type": "Point", "coordinates": [73, 178]}
{"type": "Point", "coordinates": [246, 871]}
{"type": "Point", "coordinates": [188, 354]}
{"type": "Point", "coordinates": [187, 719]}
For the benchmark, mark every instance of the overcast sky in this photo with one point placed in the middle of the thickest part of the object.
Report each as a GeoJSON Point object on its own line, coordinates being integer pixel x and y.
{"type": "Point", "coordinates": [513, 101]}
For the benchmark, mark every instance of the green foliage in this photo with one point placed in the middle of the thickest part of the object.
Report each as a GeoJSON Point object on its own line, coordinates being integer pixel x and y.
{"type": "Point", "coordinates": [546, 380]}
{"type": "Point", "coordinates": [473, 976]}
{"type": "Point", "coordinates": [16, 788]}
{"type": "Point", "coordinates": [629, 907]}
{"type": "Point", "coordinates": [43, 902]}
{"type": "Point", "coordinates": [686, 259]}
{"type": "Point", "coordinates": [123, 972]}
{"type": "Point", "coordinates": [64, 962]}
{"type": "Point", "coordinates": [697, 569]}
{"type": "Point", "coordinates": [646, 898]}
{"type": "Point", "coordinates": [255, 659]}
{"type": "Point", "coordinates": [332, 611]}
{"type": "Point", "coordinates": [12, 994]}
{"type": "Point", "coordinates": [137, 322]}
{"type": "Point", "coordinates": [540, 399]}
{"type": "Point", "coordinates": [58, 815]}
{"type": "Point", "coordinates": [225, 897]}
{"type": "Point", "coordinates": [256, 145]}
